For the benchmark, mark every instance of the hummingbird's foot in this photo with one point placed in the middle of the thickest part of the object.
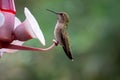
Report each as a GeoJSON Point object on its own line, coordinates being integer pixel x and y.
{"type": "Point", "coordinates": [55, 42]}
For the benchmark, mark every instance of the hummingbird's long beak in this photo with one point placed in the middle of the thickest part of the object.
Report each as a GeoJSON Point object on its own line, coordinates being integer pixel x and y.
{"type": "Point", "coordinates": [52, 11]}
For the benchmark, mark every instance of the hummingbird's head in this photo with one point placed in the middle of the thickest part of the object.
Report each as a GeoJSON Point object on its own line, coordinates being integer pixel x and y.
{"type": "Point", "coordinates": [62, 16]}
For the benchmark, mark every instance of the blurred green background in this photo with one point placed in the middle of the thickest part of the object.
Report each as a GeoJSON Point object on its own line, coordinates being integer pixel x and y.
{"type": "Point", "coordinates": [94, 31]}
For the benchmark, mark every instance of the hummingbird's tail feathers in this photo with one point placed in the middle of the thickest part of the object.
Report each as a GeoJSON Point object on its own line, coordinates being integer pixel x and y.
{"type": "Point", "coordinates": [68, 52]}
{"type": "Point", "coordinates": [65, 44]}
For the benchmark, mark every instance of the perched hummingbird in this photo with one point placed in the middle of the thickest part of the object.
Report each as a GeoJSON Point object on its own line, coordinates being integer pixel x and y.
{"type": "Point", "coordinates": [60, 32]}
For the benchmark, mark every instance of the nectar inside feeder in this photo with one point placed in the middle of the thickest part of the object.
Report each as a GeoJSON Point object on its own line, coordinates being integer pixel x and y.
{"type": "Point", "coordinates": [7, 6]}
{"type": "Point", "coordinates": [29, 29]}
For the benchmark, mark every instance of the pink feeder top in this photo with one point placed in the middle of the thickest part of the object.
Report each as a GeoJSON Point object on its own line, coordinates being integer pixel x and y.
{"type": "Point", "coordinates": [7, 6]}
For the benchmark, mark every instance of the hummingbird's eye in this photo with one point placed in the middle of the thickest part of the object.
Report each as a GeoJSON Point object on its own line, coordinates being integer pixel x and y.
{"type": "Point", "coordinates": [61, 14]}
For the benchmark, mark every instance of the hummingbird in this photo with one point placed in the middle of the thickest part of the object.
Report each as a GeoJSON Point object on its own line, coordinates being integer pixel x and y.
{"type": "Point", "coordinates": [60, 33]}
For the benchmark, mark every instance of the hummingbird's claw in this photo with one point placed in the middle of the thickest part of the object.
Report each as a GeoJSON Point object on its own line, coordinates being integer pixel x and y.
{"type": "Point", "coordinates": [55, 42]}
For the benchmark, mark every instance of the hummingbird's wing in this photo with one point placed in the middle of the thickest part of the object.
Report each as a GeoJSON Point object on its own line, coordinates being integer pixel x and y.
{"type": "Point", "coordinates": [65, 43]}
